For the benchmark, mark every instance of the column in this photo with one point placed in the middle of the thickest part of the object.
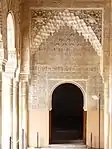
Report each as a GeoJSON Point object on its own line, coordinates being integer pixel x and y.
{"type": "Point", "coordinates": [110, 135]}
{"type": "Point", "coordinates": [20, 116]}
{"type": "Point", "coordinates": [1, 69]}
{"type": "Point", "coordinates": [106, 114]}
{"type": "Point", "coordinates": [7, 86]}
{"type": "Point", "coordinates": [0, 108]}
{"type": "Point", "coordinates": [23, 113]}
{"type": "Point", "coordinates": [15, 114]}
{"type": "Point", "coordinates": [110, 113]}
{"type": "Point", "coordinates": [110, 131]}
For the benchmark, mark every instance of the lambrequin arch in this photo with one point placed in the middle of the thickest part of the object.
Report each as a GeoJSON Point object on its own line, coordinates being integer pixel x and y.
{"type": "Point", "coordinates": [72, 21]}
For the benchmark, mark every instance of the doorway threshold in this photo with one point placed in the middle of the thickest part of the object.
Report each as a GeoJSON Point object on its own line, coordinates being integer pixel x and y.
{"type": "Point", "coordinates": [56, 142]}
{"type": "Point", "coordinates": [71, 144]}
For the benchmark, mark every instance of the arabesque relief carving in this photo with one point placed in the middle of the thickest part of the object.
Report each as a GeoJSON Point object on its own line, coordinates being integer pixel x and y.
{"type": "Point", "coordinates": [66, 54]}
{"type": "Point", "coordinates": [88, 23]}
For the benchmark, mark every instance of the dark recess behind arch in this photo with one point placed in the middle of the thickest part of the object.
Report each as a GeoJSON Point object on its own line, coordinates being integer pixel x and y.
{"type": "Point", "coordinates": [67, 113]}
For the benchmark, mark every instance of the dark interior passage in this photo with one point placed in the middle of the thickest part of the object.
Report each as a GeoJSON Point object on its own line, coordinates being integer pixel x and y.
{"type": "Point", "coordinates": [67, 114]}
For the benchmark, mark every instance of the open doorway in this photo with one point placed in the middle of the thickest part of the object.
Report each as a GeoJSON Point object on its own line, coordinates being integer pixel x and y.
{"type": "Point", "coordinates": [67, 117]}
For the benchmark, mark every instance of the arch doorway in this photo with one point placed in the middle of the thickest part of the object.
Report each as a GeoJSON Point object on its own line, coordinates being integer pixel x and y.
{"type": "Point", "coordinates": [67, 118]}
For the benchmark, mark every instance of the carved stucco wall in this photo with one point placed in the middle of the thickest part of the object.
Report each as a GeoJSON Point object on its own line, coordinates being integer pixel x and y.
{"type": "Point", "coordinates": [86, 22]}
{"type": "Point", "coordinates": [62, 53]}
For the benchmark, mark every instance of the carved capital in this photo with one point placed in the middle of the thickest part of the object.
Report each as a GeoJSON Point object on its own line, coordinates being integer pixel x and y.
{"type": "Point", "coordinates": [15, 83]}
{"type": "Point", "coordinates": [12, 54]}
{"type": "Point", "coordinates": [24, 77]}
{"type": "Point", "coordinates": [106, 75]}
{"type": "Point", "coordinates": [10, 69]}
{"type": "Point", "coordinates": [17, 73]}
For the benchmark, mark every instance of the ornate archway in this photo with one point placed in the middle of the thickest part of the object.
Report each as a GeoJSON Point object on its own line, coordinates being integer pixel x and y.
{"type": "Point", "coordinates": [79, 83]}
{"type": "Point", "coordinates": [52, 134]}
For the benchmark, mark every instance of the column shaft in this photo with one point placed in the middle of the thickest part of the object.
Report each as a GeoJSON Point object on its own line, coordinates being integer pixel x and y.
{"type": "Point", "coordinates": [15, 114]}
{"type": "Point", "coordinates": [7, 87]}
{"type": "Point", "coordinates": [106, 115]}
{"type": "Point", "coordinates": [23, 113]}
{"type": "Point", "coordinates": [110, 113]}
{"type": "Point", "coordinates": [110, 133]}
{"type": "Point", "coordinates": [0, 108]}
{"type": "Point", "coordinates": [20, 117]}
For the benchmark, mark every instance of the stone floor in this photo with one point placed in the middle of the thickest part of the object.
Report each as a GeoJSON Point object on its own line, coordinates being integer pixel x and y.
{"type": "Point", "coordinates": [77, 145]}
{"type": "Point", "coordinates": [64, 147]}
